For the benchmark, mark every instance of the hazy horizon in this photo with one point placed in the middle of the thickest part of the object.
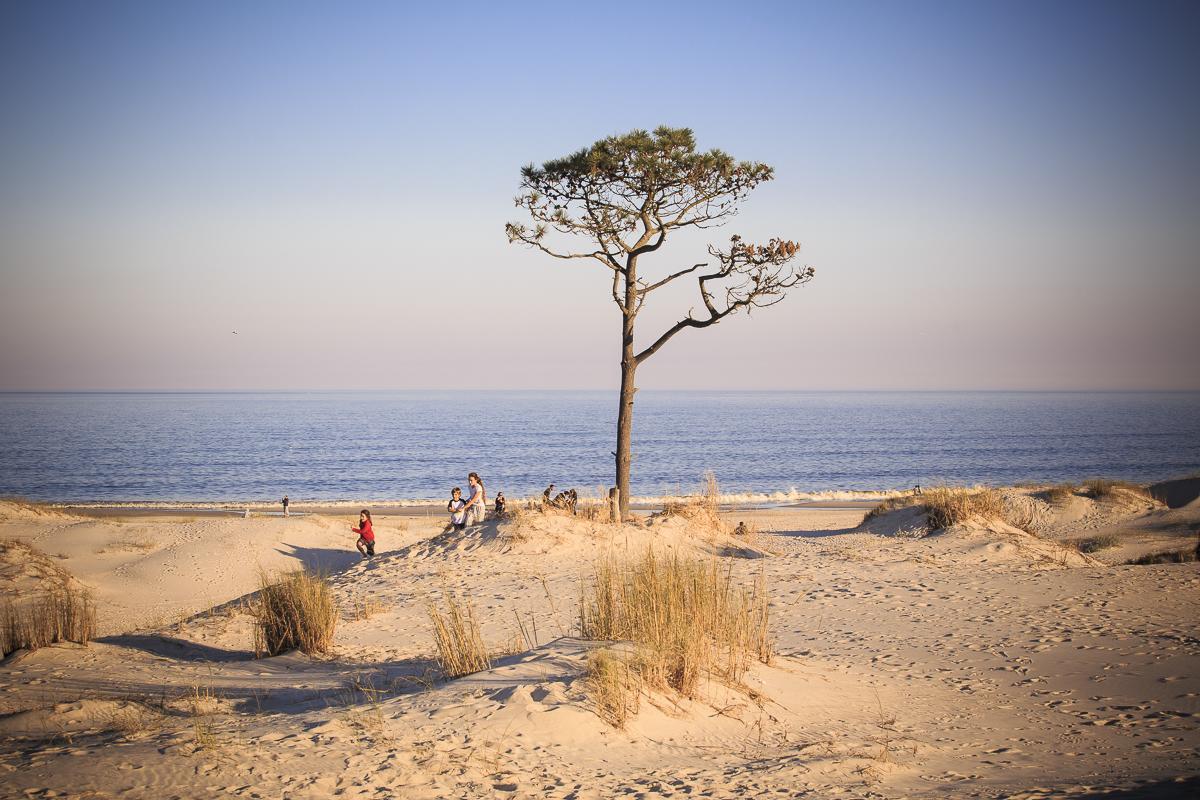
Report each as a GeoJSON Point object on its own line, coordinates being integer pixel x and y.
{"type": "Point", "coordinates": [996, 196]}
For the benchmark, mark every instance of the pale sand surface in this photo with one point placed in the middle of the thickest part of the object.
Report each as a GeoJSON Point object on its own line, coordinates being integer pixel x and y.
{"type": "Point", "coordinates": [978, 662]}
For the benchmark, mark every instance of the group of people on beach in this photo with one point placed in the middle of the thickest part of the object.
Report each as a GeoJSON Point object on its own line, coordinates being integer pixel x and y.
{"type": "Point", "coordinates": [470, 511]}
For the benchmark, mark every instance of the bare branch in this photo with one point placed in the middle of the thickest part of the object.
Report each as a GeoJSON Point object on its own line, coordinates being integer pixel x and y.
{"type": "Point", "coordinates": [647, 289]}
{"type": "Point", "coordinates": [761, 275]}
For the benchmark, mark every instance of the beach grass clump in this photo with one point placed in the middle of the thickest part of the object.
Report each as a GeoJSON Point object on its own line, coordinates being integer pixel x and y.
{"type": "Point", "coordinates": [700, 510]}
{"type": "Point", "coordinates": [1060, 493]}
{"type": "Point", "coordinates": [615, 686]}
{"type": "Point", "coordinates": [293, 611]}
{"type": "Point", "coordinates": [948, 506]}
{"type": "Point", "coordinates": [460, 646]}
{"type": "Point", "coordinates": [1094, 544]}
{"type": "Point", "coordinates": [59, 614]}
{"type": "Point", "coordinates": [685, 617]}
{"type": "Point", "coordinates": [1105, 489]}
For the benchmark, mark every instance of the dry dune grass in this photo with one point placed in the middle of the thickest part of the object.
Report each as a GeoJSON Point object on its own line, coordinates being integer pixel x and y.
{"type": "Point", "coordinates": [1104, 489]}
{"type": "Point", "coordinates": [61, 614]}
{"type": "Point", "coordinates": [699, 510]}
{"type": "Point", "coordinates": [460, 646]}
{"type": "Point", "coordinates": [686, 619]}
{"type": "Point", "coordinates": [1060, 493]}
{"type": "Point", "coordinates": [293, 611]}
{"type": "Point", "coordinates": [946, 506]}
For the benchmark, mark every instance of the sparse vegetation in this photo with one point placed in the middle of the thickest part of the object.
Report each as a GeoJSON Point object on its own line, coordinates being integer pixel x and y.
{"type": "Point", "coordinates": [947, 505]}
{"type": "Point", "coordinates": [1104, 489]}
{"type": "Point", "coordinates": [460, 646]}
{"type": "Point", "coordinates": [1061, 493]}
{"type": "Point", "coordinates": [1094, 544]}
{"type": "Point", "coordinates": [364, 608]}
{"type": "Point", "coordinates": [143, 545]}
{"type": "Point", "coordinates": [1165, 557]}
{"type": "Point", "coordinates": [60, 614]}
{"type": "Point", "coordinates": [293, 611]}
{"type": "Point", "coordinates": [685, 617]}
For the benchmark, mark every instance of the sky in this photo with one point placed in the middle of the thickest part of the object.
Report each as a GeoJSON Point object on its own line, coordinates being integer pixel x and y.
{"type": "Point", "coordinates": [994, 196]}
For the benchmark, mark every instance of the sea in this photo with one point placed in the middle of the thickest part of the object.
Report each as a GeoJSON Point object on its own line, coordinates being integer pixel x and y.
{"type": "Point", "coordinates": [416, 445]}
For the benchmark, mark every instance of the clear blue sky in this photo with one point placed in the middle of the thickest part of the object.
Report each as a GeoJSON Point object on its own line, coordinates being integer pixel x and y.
{"type": "Point", "coordinates": [994, 195]}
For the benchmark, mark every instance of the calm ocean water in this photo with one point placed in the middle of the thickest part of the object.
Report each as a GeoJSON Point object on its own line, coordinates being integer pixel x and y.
{"type": "Point", "coordinates": [412, 445]}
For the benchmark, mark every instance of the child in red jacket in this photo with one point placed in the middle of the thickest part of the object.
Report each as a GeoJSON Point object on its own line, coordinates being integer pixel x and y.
{"type": "Point", "coordinates": [366, 536]}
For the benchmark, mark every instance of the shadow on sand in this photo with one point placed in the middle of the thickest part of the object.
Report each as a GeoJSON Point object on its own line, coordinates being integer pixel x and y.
{"type": "Point", "coordinates": [323, 560]}
{"type": "Point", "coordinates": [178, 649]}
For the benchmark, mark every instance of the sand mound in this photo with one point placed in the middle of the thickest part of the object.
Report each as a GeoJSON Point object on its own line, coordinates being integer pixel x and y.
{"type": "Point", "coordinates": [910, 522]}
{"type": "Point", "coordinates": [561, 533]}
{"type": "Point", "coordinates": [980, 540]}
{"type": "Point", "coordinates": [977, 540]}
{"type": "Point", "coordinates": [24, 511]}
{"type": "Point", "coordinates": [26, 571]}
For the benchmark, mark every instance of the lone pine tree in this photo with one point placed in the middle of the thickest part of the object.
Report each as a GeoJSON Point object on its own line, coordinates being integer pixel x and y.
{"type": "Point", "coordinates": [624, 196]}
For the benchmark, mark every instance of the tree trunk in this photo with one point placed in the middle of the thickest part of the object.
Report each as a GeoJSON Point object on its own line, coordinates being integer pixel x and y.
{"type": "Point", "coordinates": [625, 416]}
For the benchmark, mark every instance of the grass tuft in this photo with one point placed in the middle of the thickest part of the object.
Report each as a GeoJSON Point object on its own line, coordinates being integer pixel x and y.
{"type": "Point", "coordinates": [1104, 489]}
{"type": "Point", "coordinates": [460, 646]}
{"type": "Point", "coordinates": [293, 611]}
{"type": "Point", "coordinates": [1061, 493]}
{"type": "Point", "coordinates": [62, 614]}
{"type": "Point", "coordinates": [615, 686]}
{"type": "Point", "coordinates": [947, 506]}
{"type": "Point", "coordinates": [686, 619]}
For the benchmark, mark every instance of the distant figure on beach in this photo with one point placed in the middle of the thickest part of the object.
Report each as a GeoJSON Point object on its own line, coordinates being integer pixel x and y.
{"type": "Point", "coordinates": [366, 535]}
{"type": "Point", "coordinates": [500, 503]}
{"type": "Point", "coordinates": [917, 489]}
{"type": "Point", "coordinates": [741, 530]}
{"type": "Point", "coordinates": [546, 495]}
{"type": "Point", "coordinates": [246, 514]}
{"type": "Point", "coordinates": [476, 506]}
{"type": "Point", "coordinates": [458, 517]}
{"type": "Point", "coordinates": [285, 505]}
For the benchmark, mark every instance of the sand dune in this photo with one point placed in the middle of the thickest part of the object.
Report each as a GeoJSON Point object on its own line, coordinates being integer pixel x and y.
{"type": "Point", "coordinates": [977, 661]}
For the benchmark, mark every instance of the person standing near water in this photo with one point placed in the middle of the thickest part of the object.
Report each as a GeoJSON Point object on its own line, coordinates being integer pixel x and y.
{"type": "Point", "coordinates": [476, 506]}
{"type": "Point", "coordinates": [285, 505]}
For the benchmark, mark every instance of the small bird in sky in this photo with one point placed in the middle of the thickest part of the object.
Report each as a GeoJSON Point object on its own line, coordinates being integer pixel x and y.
{"type": "Point", "coordinates": [235, 333]}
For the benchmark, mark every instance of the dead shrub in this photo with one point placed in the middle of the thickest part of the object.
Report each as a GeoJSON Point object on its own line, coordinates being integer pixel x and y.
{"type": "Point", "coordinates": [685, 617]}
{"type": "Point", "coordinates": [460, 646]}
{"type": "Point", "coordinates": [60, 614]}
{"type": "Point", "coordinates": [293, 611]}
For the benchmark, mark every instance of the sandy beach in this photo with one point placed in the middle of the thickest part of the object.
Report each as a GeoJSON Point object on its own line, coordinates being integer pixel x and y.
{"type": "Point", "coordinates": [981, 660]}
